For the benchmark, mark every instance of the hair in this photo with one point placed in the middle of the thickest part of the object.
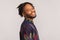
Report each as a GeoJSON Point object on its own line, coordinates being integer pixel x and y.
{"type": "Point", "coordinates": [21, 7]}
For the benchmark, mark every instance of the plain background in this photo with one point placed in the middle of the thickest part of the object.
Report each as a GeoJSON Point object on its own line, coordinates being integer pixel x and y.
{"type": "Point", "coordinates": [47, 20]}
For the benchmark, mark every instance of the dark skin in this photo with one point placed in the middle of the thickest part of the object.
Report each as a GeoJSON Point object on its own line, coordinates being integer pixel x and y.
{"type": "Point", "coordinates": [29, 12]}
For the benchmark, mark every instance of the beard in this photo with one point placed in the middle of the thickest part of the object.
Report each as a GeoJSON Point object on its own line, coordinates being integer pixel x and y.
{"type": "Point", "coordinates": [29, 16]}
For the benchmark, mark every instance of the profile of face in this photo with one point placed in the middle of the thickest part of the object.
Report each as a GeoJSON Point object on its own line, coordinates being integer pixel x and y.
{"type": "Point", "coordinates": [29, 11]}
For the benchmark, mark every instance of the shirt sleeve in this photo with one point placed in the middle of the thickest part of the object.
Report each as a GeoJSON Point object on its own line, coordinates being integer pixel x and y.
{"type": "Point", "coordinates": [27, 33]}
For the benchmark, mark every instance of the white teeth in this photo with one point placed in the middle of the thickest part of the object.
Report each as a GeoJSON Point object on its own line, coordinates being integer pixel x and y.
{"type": "Point", "coordinates": [33, 13]}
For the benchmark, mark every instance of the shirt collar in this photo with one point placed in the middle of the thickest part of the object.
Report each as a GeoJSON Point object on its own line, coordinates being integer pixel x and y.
{"type": "Point", "coordinates": [29, 20]}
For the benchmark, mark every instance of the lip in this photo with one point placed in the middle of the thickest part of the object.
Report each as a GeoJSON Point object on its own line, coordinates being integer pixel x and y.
{"type": "Point", "coordinates": [33, 13]}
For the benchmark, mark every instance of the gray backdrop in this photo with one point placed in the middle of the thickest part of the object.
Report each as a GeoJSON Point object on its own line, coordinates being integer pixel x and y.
{"type": "Point", "coordinates": [47, 20]}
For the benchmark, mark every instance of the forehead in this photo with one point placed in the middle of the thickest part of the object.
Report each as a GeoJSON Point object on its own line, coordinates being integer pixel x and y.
{"type": "Point", "coordinates": [28, 6]}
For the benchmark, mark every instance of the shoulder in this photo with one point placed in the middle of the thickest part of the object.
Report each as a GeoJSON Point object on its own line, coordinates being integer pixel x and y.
{"type": "Point", "coordinates": [26, 26]}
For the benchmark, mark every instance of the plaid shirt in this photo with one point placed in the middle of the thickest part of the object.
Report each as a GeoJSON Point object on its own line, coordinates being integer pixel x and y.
{"type": "Point", "coordinates": [28, 31]}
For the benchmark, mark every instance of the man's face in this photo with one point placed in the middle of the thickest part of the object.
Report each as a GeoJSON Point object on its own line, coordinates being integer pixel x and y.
{"type": "Point", "coordinates": [29, 11]}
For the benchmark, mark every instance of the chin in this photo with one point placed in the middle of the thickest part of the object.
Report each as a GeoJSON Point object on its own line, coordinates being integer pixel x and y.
{"type": "Point", "coordinates": [32, 16]}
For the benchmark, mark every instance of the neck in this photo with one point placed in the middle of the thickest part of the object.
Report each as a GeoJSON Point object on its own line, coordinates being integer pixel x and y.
{"type": "Point", "coordinates": [29, 19]}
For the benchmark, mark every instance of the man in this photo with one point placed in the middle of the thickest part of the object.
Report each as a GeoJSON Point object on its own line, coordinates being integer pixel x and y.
{"type": "Point", "coordinates": [28, 30]}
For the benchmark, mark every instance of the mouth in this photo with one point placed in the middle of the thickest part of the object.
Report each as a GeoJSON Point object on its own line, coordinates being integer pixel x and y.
{"type": "Point", "coordinates": [33, 14]}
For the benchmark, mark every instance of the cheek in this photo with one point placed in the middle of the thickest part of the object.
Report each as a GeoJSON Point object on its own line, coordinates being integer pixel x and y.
{"type": "Point", "coordinates": [29, 12]}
